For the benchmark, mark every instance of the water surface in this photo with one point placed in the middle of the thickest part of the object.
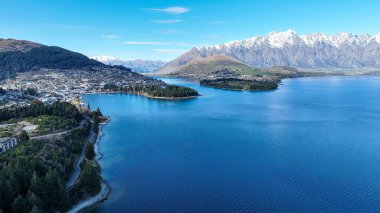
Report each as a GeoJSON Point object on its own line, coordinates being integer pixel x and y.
{"type": "Point", "coordinates": [312, 145]}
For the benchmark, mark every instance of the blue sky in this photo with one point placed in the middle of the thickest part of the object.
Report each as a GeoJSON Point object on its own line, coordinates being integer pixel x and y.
{"type": "Point", "coordinates": [163, 29]}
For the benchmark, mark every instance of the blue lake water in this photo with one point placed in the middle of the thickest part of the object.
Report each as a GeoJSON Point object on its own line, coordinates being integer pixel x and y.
{"type": "Point", "coordinates": [312, 145]}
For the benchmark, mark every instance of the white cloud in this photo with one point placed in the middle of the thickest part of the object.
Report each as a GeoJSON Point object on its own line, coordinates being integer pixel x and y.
{"type": "Point", "coordinates": [111, 36]}
{"type": "Point", "coordinates": [217, 22]}
{"type": "Point", "coordinates": [183, 44]}
{"type": "Point", "coordinates": [167, 21]}
{"type": "Point", "coordinates": [144, 43]}
{"type": "Point", "coordinates": [169, 51]}
{"type": "Point", "coordinates": [170, 32]}
{"type": "Point", "coordinates": [170, 10]}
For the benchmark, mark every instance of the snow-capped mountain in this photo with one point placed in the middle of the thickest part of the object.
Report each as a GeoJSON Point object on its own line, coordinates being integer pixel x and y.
{"type": "Point", "coordinates": [138, 65]}
{"type": "Point", "coordinates": [312, 51]}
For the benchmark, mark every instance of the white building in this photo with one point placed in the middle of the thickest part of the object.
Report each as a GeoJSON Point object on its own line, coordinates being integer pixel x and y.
{"type": "Point", "coordinates": [7, 143]}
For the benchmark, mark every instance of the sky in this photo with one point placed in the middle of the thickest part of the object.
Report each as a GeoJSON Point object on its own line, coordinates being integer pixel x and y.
{"type": "Point", "coordinates": [164, 29]}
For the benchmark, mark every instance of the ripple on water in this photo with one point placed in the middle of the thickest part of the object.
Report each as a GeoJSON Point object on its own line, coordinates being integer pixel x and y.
{"type": "Point", "coordinates": [312, 145]}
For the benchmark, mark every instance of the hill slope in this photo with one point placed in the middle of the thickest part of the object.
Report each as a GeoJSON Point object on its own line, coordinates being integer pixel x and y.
{"type": "Point", "coordinates": [21, 56]}
{"type": "Point", "coordinates": [213, 65]}
{"type": "Point", "coordinates": [221, 66]}
{"type": "Point", "coordinates": [313, 51]}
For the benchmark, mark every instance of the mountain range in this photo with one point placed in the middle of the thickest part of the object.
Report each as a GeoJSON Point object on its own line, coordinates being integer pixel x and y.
{"type": "Point", "coordinates": [312, 51]}
{"type": "Point", "coordinates": [138, 65]}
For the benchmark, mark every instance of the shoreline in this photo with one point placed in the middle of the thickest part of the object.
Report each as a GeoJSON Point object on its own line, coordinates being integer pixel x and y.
{"type": "Point", "coordinates": [170, 98]}
{"type": "Point", "coordinates": [141, 94]}
{"type": "Point", "coordinates": [239, 90]}
{"type": "Point", "coordinates": [105, 189]}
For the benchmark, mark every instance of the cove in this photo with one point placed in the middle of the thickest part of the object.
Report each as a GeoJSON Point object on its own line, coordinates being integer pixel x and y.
{"type": "Point", "coordinates": [311, 145]}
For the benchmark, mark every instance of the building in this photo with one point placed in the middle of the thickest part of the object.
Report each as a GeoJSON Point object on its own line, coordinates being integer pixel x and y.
{"type": "Point", "coordinates": [7, 143]}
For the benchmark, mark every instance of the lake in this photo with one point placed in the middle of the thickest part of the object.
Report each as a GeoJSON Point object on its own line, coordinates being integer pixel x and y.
{"type": "Point", "coordinates": [311, 145]}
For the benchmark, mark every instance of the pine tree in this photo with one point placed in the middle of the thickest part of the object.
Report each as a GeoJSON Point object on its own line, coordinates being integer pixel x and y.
{"type": "Point", "coordinates": [98, 112]}
{"type": "Point", "coordinates": [35, 183]}
{"type": "Point", "coordinates": [24, 136]}
{"type": "Point", "coordinates": [90, 153]}
{"type": "Point", "coordinates": [19, 205]}
{"type": "Point", "coordinates": [35, 209]}
{"type": "Point", "coordinates": [34, 200]}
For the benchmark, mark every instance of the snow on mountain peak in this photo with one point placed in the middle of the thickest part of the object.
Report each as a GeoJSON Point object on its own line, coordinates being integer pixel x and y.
{"type": "Point", "coordinates": [280, 39]}
{"type": "Point", "coordinates": [376, 37]}
{"type": "Point", "coordinates": [317, 50]}
{"type": "Point", "coordinates": [105, 58]}
{"type": "Point", "coordinates": [290, 38]}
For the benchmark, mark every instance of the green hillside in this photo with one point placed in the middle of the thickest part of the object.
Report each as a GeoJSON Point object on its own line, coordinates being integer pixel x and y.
{"type": "Point", "coordinates": [21, 56]}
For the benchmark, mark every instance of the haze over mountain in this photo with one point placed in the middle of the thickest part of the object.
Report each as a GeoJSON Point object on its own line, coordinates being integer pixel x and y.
{"type": "Point", "coordinates": [312, 51]}
{"type": "Point", "coordinates": [137, 65]}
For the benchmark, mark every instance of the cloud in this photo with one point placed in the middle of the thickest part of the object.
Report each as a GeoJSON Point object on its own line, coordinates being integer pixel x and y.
{"type": "Point", "coordinates": [183, 44]}
{"type": "Point", "coordinates": [169, 51]}
{"type": "Point", "coordinates": [170, 32]}
{"type": "Point", "coordinates": [167, 21]}
{"type": "Point", "coordinates": [169, 10]}
{"type": "Point", "coordinates": [217, 22]}
{"type": "Point", "coordinates": [111, 36]}
{"type": "Point", "coordinates": [144, 43]}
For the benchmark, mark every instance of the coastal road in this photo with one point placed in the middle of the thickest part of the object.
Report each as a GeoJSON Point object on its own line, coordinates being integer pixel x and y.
{"type": "Point", "coordinates": [74, 176]}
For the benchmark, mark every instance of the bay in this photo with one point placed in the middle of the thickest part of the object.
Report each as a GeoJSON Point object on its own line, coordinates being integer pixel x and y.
{"type": "Point", "coordinates": [311, 145]}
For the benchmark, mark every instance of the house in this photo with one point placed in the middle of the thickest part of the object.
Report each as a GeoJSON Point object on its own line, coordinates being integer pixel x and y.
{"type": "Point", "coordinates": [7, 143]}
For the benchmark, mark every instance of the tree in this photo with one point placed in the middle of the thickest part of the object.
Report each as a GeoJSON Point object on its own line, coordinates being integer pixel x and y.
{"type": "Point", "coordinates": [36, 184]}
{"type": "Point", "coordinates": [35, 209]}
{"type": "Point", "coordinates": [24, 136]}
{"type": "Point", "coordinates": [95, 125]}
{"type": "Point", "coordinates": [90, 153]}
{"type": "Point", "coordinates": [19, 205]}
{"type": "Point", "coordinates": [54, 192]}
{"type": "Point", "coordinates": [31, 91]}
{"type": "Point", "coordinates": [90, 179]}
{"type": "Point", "coordinates": [98, 112]}
{"type": "Point", "coordinates": [2, 91]}
{"type": "Point", "coordinates": [34, 200]}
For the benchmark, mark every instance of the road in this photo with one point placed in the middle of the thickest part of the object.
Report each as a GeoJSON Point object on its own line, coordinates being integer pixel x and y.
{"type": "Point", "coordinates": [48, 136]}
{"type": "Point", "coordinates": [74, 176]}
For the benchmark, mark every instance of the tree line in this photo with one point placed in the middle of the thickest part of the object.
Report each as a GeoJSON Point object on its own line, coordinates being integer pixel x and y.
{"type": "Point", "coordinates": [168, 91]}
{"type": "Point", "coordinates": [37, 108]}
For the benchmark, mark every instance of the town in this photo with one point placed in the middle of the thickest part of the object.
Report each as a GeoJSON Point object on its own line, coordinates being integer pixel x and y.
{"type": "Point", "coordinates": [48, 85]}
{"type": "Point", "coordinates": [52, 85]}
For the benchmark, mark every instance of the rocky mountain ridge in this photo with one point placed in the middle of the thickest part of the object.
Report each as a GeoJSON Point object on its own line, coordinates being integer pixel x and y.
{"type": "Point", "coordinates": [312, 51]}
